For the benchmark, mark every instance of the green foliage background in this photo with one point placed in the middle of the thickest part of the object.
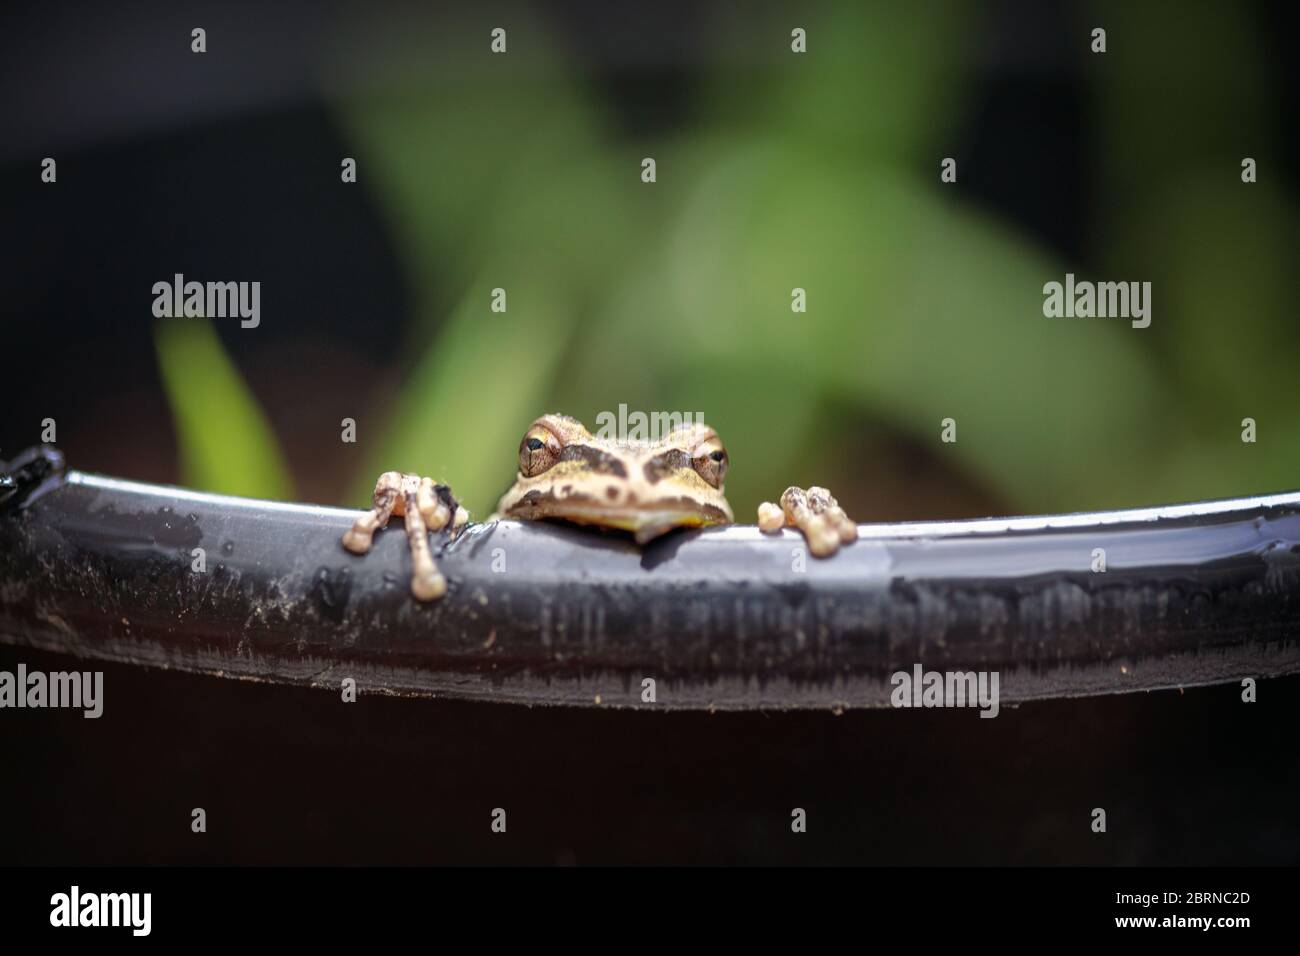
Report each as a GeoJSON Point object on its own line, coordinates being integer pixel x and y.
{"type": "Point", "coordinates": [818, 171]}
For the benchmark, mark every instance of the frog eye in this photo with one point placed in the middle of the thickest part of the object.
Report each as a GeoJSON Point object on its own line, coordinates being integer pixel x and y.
{"type": "Point", "coordinates": [538, 451]}
{"type": "Point", "coordinates": [710, 462]}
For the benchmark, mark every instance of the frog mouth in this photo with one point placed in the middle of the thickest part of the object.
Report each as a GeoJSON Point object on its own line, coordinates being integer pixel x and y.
{"type": "Point", "coordinates": [645, 526]}
{"type": "Point", "coordinates": [645, 523]}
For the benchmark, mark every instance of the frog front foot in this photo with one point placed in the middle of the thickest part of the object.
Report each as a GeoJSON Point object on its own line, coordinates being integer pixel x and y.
{"type": "Point", "coordinates": [816, 514]}
{"type": "Point", "coordinates": [427, 506]}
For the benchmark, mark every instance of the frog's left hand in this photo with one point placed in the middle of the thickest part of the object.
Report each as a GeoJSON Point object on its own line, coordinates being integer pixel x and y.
{"type": "Point", "coordinates": [427, 507]}
{"type": "Point", "coordinates": [816, 514]}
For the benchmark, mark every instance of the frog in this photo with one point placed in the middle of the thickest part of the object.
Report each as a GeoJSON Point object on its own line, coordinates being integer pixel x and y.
{"type": "Point", "coordinates": [645, 488]}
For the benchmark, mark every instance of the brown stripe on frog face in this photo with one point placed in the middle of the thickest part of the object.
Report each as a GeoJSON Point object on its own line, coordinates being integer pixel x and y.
{"type": "Point", "coordinates": [600, 462]}
{"type": "Point", "coordinates": [530, 503]}
{"type": "Point", "coordinates": [548, 499]}
{"type": "Point", "coordinates": [665, 464]}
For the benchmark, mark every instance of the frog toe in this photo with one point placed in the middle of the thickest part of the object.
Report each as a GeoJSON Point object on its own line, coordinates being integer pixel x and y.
{"type": "Point", "coordinates": [817, 516]}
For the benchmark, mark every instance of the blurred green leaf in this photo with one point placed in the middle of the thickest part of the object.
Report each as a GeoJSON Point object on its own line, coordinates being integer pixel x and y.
{"type": "Point", "coordinates": [878, 80]}
{"type": "Point", "coordinates": [226, 443]}
{"type": "Point", "coordinates": [524, 197]}
{"type": "Point", "coordinates": [1219, 253]}
{"type": "Point", "coordinates": [467, 402]}
{"type": "Point", "coordinates": [819, 171]}
{"type": "Point", "coordinates": [918, 310]}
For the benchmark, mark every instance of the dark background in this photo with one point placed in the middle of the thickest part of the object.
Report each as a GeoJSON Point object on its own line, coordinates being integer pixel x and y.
{"type": "Point", "coordinates": [294, 776]}
{"type": "Point", "coordinates": [226, 167]}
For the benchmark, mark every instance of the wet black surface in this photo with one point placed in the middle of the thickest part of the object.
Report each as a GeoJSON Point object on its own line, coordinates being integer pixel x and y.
{"type": "Point", "coordinates": [721, 618]}
{"type": "Point", "coordinates": [28, 475]}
